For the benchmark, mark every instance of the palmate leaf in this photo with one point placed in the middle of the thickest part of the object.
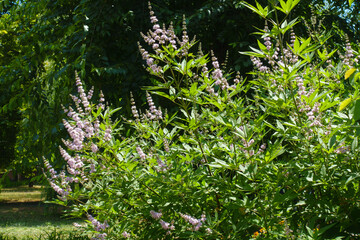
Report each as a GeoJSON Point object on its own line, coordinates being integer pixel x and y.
{"type": "Point", "coordinates": [285, 26]}
{"type": "Point", "coordinates": [263, 12]}
{"type": "Point", "coordinates": [286, 7]}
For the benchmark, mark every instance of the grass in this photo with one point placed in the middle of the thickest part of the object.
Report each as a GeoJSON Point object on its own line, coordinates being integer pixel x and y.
{"type": "Point", "coordinates": [22, 194]}
{"type": "Point", "coordinates": [23, 215]}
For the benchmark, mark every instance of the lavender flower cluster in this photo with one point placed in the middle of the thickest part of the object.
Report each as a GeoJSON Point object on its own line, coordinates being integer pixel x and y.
{"type": "Point", "coordinates": [311, 112]}
{"type": "Point", "coordinates": [217, 74]}
{"type": "Point", "coordinates": [153, 113]}
{"type": "Point", "coordinates": [58, 181]}
{"type": "Point", "coordinates": [196, 223]}
{"type": "Point", "coordinates": [342, 149]}
{"type": "Point", "coordinates": [251, 152]}
{"type": "Point", "coordinates": [125, 234]}
{"type": "Point", "coordinates": [349, 59]}
{"type": "Point", "coordinates": [248, 147]}
{"type": "Point", "coordinates": [158, 37]}
{"type": "Point", "coordinates": [161, 167]}
{"type": "Point", "coordinates": [141, 153]}
{"type": "Point", "coordinates": [85, 136]}
{"type": "Point", "coordinates": [165, 225]}
{"type": "Point", "coordinates": [82, 127]}
{"type": "Point", "coordinates": [274, 59]}
{"type": "Point", "coordinates": [98, 227]}
{"type": "Point", "coordinates": [81, 130]}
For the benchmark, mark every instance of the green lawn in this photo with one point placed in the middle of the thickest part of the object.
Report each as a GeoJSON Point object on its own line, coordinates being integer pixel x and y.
{"type": "Point", "coordinates": [23, 215]}
{"type": "Point", "coordinates": [22, 194]}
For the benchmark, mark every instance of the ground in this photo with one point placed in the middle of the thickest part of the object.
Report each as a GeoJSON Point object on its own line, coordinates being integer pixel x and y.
{"type": "Point", "coordinates": [24, 215]}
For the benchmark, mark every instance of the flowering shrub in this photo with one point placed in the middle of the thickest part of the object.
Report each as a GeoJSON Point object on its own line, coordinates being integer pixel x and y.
{"type": "Point", "coordinates": [275, 157]}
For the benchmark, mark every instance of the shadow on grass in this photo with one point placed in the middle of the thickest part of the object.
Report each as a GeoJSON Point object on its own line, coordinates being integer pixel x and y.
{"type": "Point", "coordinates": [31, 214]}
{"type": "Point", "coordinates": [24, 216]}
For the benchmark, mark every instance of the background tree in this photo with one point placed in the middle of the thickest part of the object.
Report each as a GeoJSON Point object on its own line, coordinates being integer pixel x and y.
{"type": "Point", "coordinates": [43, 42]}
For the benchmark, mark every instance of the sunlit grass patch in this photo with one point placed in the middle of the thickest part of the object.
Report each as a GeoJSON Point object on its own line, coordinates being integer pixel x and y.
{"type": "Point", "coordinates": [22, 194]}
{"type": "Point", "coordinates": [24, 232]}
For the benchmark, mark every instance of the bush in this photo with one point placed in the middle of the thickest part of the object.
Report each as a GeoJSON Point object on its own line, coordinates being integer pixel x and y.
{"type": "Point", "coordinates": [274, 157]}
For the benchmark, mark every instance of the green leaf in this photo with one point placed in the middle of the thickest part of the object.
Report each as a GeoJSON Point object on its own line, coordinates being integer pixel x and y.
{"type": "Point", "coordinates": [296, 45]}
{"type": "Point", "coordinates": [330, 54]}
{"type": "Point", "coordinates": [285, 197]}
{"type": "Point", "coordinates": [193, 89]}
{"type": "Point", "coordinates": [215, 103]}
{"type": "Point", "coordinates": [218, 164]}
{"type": "Point", "coordinates": [310, 177]}
{"type": "Point", "coordinates": [350, 2]}
{"type": "Point", "coordinates": [326, 105]}
{"type": "Point", "coordinates": [263, 12]}
{"type": "Point", "coordinates": [304, 44]}
{"type": "Point", "coordinates": [258, 53]}
{"type": "Point", "coordinates": [332, 141]}
{"type": "Point", "coordinates": [286, 7]}
{"type": "Point", "coordinates": [262, 46]}
{"type": "Point", "coordinates": [294, 3]}
{"type": "Point", "coordinates": [322, 55]}
{"type": "Point", "coordinates": [354, 144]}
{"type": "Point", "coordinates": [349, 72]}
{"type": "Point", "coordinates": [280, 126]}
{"type": "Point", "coordinates": [357, 76]}
{"type": "Point", "coordinates": [356, 115]}
{"type": "Point", "coordinates": [275, 150]}
{"type": "Point", "coordinates": [300, 203]}
{"type": "Point", "coordinates": [283, 7]}
{"type": "Point", "coordinates": [351, 178]}
{"type": "Point", "coordinates": [345, 103]}
{"type": "Point", "coordinates": [170, 97]}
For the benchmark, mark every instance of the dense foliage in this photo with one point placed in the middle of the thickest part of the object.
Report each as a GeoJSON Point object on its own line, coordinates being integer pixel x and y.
{"type": "Point", "coordinates": [274, 156]}
{"type": "Point", "coordinates": [43, 42]}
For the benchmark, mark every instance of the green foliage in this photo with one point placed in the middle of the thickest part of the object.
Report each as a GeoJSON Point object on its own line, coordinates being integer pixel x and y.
{"type": "Point", "coordinates": [274, 156]}
{"type": "Point", "coordinates": [206, 155]}
{"type": "Point", "coordinates": [43, 42]}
